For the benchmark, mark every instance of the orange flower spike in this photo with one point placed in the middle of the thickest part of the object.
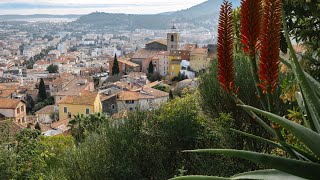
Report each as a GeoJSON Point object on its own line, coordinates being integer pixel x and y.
{"type": "Point", "coordinates": [251, 12]}
{"type": "Point", "coordinates": [270, 45]}
{"type": "Point", "coordinates": [225, 47]}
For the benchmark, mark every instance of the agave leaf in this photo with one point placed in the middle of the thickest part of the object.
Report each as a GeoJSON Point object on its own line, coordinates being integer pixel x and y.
{"type": "Point", "coordinates": [268, 174]}
{"type": "Point", "coordinates": [272, 143]}
{"type": "Point", "coordinates": [310, 138]}
{"type": "Point", "coordinates": [311, 99]}
{"type": "Point", "coordinates": [294, 167]}
{"type": "Point", "coordinates": [199, 178]}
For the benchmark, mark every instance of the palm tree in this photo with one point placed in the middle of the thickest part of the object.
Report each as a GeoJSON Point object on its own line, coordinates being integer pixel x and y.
{"type": "Point", "coordinates": [77, 124]}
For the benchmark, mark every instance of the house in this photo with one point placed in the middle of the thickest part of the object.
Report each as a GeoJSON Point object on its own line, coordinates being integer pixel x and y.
{"type": "Point", "coordinates": [199, 60]}
{"type": "Point", "coordinates": [143, 99]}
{"type": "Point", "coordinates": [125, 66]}
{"type": "Point", "coordinates": [73, 88]}
{"type": "Point", "coordinates": [143, 56]}
{"type": "Point", "coordinates": [14, 109]}
{"type": "Point", "coordinates": [132, 100]}
{"type": "Point", "coordinates": [109, 104]}
{"type": "Point", "coordinates": [185, 69]}
{"type": "Point", "coordinates": [41, 64]}
{"type": "Point", "coordinates": [174, 67]}
{"type": "Point", "coordinates": [86, 102]}
{"type": "Point", "coordinates": [46, 114]}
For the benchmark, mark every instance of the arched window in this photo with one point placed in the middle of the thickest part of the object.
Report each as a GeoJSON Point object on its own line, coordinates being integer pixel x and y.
{"type": "Point", "coordinates": [113, 107]}
{"type": "Point", "coordinates": [172, 38]}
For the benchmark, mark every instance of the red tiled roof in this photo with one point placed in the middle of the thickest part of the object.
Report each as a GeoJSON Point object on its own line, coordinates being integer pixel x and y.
{"type": "Point", "coordinates": [6, 103]}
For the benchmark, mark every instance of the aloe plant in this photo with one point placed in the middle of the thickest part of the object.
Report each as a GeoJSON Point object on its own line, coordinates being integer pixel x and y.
{"type": "Point", "coordinates": [261, 37]}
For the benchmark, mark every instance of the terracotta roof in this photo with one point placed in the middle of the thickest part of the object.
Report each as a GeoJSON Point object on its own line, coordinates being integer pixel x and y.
{"type": "Point", "coordinates": [144, 53]}
{"type": "Point", "coordinates": [129, 63]}
{"type": "Point", "coordinates": [200, 51]}
{"type": "Point", "coordinates": [6, 103]}
{"type": "Point", "coordinates": [84, 98]}
{"type": "Point", "coordinates": [128, 95]}
{"type": "Point", "coordinates": [160, 41]}
{"type": "Point", "coordinates": [73, 88]}
{"type": "Point", "coordinates": [46, 110]}
{"type": "Point", "coordinates": [155, 92]}
{"type": "Point", "coordinates": [133, 95]}
{"type": "Point", "coordinates": [42, 62]}
{"type": "Point", "coordinates": [6, 93]}
{"type": "Point", "coordinates": [105, 97]}
{"type": "Point", "coordinates": [189, 47]}
{"type": "Point", "coordinates": [150, 85]}
{"type": "Point", "coordinates": [62, 125]}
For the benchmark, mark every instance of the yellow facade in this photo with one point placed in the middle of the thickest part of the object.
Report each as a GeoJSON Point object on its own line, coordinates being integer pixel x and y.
{"type": "Point", "coordinates": [174, 65]}
{"type": "Point", "coordinates": [74, 109]}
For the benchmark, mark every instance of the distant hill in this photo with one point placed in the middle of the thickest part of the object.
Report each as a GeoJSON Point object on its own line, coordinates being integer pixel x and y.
{"type": "Point", "coordinates": [203, 14]}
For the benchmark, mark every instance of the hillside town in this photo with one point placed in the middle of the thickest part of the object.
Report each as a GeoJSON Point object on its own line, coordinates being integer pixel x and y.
{"type": "Point", "coordinates": [47, 79]}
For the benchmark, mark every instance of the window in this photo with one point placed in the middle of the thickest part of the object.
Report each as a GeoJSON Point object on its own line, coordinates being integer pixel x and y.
{"type": "Point", "coordinates": [172, 67]}
{"type": "Point", "coordinates": [22, 108]}
{"type": "Point", "coordinates": [113, 107]}
{"type": "Point", "coordinates": [87, 111]}
{"type": "Point", "coordinates": [130, 102]}
{"type": "Point", "coordinates": [131, 109]}
{"type": "Point", "coordinates": [172, 38]}
{"type": "Point", "coordinates": [18, 110]}
{"type": "Point", "coordinates": [65, 109]}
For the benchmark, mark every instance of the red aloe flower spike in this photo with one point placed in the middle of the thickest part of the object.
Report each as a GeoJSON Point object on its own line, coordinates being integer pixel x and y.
{"type": "Point", "coordinates": [251, 11]}
{"type": "Point", "coordinates": [270, 45]}
{"type": "Point", "coordinates": [225, 47]}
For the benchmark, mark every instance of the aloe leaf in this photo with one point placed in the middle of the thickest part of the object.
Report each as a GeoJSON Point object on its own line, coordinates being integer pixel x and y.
{"type": "Point", "coordinates": [305, 155]}
{"type": "Point", "coordinates": [304, 109]}
{"type": "Point", "coordinates": [269, 174]}
{"type": "Point", "coordinates": [199, 178]}
{"type": "Point", "coordinates": [311, 99]}
{"type": "Point", "coordinates": [314, 83]}
{"type": "Point", "coordinates": [298, 168]}
{"type": "Point", "coordinates": [272, 143]}
{"type": "Point", "coordinates": [310, 138]}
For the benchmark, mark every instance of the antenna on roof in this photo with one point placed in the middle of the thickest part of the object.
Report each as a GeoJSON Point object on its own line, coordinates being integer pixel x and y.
{"type": "Point", "coordinates": [173, 27]}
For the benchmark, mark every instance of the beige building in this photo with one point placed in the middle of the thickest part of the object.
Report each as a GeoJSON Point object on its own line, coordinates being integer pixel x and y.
{"type": "Point", "coordinates": [14, 109]}
{"type": "Point", "coordinates": [45, 115]}
{"type": "Point", "coordinates": [199, 60]}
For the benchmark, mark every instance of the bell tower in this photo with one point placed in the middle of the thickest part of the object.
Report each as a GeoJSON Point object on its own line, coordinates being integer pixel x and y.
{"type": "Point", "coordinates": [173, 39]}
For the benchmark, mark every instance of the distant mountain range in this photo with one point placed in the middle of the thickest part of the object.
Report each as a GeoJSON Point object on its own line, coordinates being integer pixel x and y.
{"type": "Point", "coordinates": [201, 15]}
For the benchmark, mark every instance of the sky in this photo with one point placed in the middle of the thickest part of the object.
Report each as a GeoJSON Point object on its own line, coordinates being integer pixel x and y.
{"type": "Point", "coordinates": [88, 6]}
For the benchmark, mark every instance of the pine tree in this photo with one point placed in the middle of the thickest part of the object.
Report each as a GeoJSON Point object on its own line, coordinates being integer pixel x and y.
{"type": "Point", "coordinates": [150, 70]}
{"type": "Point", "coordinates": [42, 95]}
{"type": "Point", "coordinates": [115, 67]}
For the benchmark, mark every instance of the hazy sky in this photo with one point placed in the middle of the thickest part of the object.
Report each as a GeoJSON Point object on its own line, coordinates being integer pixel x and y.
{"type": "Point", "coordinates": [88, 6]}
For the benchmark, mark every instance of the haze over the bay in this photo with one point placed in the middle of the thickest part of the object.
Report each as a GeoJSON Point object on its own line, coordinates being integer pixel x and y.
{"type": "Point", "coordinates": [61, 7]}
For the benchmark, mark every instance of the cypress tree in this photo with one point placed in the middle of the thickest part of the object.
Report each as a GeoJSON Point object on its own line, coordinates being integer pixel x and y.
{"type": "Point", "coordinates": [150, 70]}
{"type": "Point", "coordinates": [37, 126]}
{"type": "Point", "coordinates": [42, 95]}
{"type": "Point", "coordinates": [171, 95]}
{"type": "Point", "coordinates": [115, 67]}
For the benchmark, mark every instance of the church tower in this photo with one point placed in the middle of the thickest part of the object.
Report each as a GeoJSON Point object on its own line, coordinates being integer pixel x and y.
{"type": "Point", "coordinates": [173, 39]}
